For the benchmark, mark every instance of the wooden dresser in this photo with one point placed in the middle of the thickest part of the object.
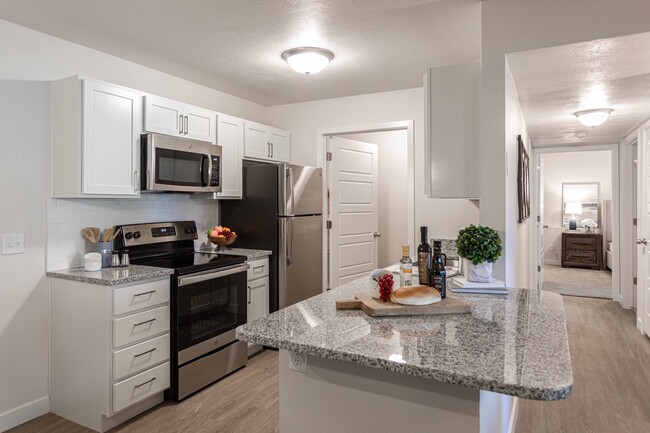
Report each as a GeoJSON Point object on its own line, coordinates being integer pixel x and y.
{"type": "Point", "coordinates": [580, 249]}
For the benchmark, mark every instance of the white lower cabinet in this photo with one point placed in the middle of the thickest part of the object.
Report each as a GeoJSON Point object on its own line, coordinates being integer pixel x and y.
{"type": "Point", "coordinates": [110, 350]}
{"type": "Point", "coordinates": [258, 294]}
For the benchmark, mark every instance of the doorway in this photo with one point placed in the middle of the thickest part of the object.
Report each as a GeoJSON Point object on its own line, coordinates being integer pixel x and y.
{"type": "Point", "coordinates": [577, 254]}
{"type": "Point", "coordinates": [369, 198]}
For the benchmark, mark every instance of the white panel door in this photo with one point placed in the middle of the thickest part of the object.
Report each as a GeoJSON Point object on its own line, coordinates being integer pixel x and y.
{"type": "Point", "coordinates": [540, 222]}
{"type": "Point", "coordinates": [200, 124]}
{"type": "Point", "coordinates": [643, 228]}
{"type": "Point", "coordinates": [256, 143]}
{"type": "Point", "coordinates": [230, 135]}
{"type": "Point", "coordinates": [258, 299]}
{"type": "Point", "coordinates": [280, 145]}
{"type": "Point", "coordinates": [112, 124]}
{"type": "Point", "coordinates": [353, 187]}
{"type": "Point", "coordinates": [163, 116]}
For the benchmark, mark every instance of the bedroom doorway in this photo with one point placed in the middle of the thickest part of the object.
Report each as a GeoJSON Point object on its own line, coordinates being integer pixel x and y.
{"type": "Point", "coordinates": [579, 221]}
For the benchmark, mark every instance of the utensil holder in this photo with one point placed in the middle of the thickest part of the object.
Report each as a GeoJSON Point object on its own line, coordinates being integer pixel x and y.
{"type": "Point", "coordinates": [106, 250]}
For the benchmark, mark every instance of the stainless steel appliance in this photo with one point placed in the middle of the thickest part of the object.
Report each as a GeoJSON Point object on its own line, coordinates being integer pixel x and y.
{"type": "Point", "coordinates": [281, 210]}
{"type": "Point", "coordinates": [172, 164]}
{"type": "Point", "coordinates": [208, 301]}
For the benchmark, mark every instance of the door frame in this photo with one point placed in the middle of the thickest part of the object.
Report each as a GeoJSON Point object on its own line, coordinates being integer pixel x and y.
{"type": "Point", "coordinates": [322, 134]}
{"type": "Point", "coordinates": [626, 226]}
{"type": "Point", "coordinates": [616, 226]}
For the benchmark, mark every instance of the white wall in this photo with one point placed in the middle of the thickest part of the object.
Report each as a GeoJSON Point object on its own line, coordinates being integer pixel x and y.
{"type": "Point", "coordinates": [24, 301]}
{"type": "Point", "coordinates": [66, 218]}
{"type": "Point", "coordinates": [444, 217]}
{"type": "Point", "coordinates": [520, 242]}
{"type": "Point", "coordinates": [588, 166]}
{"type": "Point", "coordinates": [393, 187]}
{"type": "Point", "coordinates": [513, 25]}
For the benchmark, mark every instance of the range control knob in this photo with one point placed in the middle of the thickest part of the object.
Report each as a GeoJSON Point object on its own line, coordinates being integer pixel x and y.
{"type": "Point", "coordinates": [128, 235]}
{"type": "Point", "coordinates": [193, 229]}
{"type": "Point", "coordinates": [188, 229]}
{"type": "Point", "coordinates": [137, 235]}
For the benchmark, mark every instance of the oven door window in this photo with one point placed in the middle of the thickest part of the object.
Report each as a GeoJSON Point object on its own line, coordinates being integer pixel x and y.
{"type": "Point", "coordinates": [174, 167]}
{"type": "Point", "coordinates": [210, 308]}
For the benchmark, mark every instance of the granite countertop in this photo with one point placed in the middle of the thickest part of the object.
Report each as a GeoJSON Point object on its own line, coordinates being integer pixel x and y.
{"type": "Point", "coordinates": [111, 276]}
{"type": "Point", "coordinates": [250, 254]}
{"type": "Point", "coordinates": [515, 344]}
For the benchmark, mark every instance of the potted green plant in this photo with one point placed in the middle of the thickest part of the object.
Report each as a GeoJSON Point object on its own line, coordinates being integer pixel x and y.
{"type": "Point", "coordinates": [480, 246]}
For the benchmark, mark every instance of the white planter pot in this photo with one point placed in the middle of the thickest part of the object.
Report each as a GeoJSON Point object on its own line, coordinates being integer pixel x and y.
{"type": "Point", "coordinates": [481, 273]}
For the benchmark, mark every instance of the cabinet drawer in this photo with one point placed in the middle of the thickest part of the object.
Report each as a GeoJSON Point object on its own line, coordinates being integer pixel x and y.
{"type": "Point", "coordinates": [139, 296]}
{"type": "Point", "coordinates": [581, 243]}
{"type": "Point", "coordinates": [258, 269]}
{"type": "Point", "coordinates": [135, 359]}
{"type": "Point", "coordinates": [141, 386]}
{"type": "Point", "coordinates": [582, 257]}
{"type": "Point", "coordinates": [140, 326]}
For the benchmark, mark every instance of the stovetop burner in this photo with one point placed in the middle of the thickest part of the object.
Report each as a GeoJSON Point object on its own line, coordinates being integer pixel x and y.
{"type": "Point", "coordinates": [189, 262]}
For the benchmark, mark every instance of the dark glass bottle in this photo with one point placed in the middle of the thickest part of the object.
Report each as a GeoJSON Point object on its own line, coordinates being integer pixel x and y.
{"type": "Point", "coordinates": [438, 272]}
{"type": "Point", "coordinates": [424, 258]}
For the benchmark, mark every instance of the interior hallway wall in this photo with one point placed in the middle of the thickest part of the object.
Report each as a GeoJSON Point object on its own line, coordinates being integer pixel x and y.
{"type": "Point", "coordinates": [24, 295]}
{"type": "Point", "coordinates": [589, 166]}
{"type": "Point", "coordinates": [393, 187]}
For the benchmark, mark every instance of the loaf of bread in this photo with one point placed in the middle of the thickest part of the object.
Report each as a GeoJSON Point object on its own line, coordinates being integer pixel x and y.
{"type": "Point", "coordinates": [415, 295]}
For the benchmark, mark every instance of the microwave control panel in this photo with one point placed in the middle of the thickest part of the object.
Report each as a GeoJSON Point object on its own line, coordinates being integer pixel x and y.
{"type": "Point", "coordinates": [216, 165]}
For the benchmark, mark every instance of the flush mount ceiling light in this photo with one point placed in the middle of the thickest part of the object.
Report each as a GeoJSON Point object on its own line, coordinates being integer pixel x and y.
{"type": "Point", "coordinates": [593, 118]}
{"type": "Point", "coordinates": [308, 60]}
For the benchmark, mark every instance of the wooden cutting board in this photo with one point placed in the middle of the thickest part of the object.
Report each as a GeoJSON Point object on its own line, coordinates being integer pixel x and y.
{"type": "Point", "coordinates": [452, 304]}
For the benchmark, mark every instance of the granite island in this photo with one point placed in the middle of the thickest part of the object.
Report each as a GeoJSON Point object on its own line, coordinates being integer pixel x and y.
{"type": "Point", "coordinates": [454, 373]}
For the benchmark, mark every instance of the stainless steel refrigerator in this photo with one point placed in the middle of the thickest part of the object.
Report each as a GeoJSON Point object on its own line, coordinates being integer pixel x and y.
{"type": "Point", "coordinates": [281, 210]}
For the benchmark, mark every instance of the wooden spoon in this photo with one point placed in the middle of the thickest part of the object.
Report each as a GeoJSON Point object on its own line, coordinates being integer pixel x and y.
{"type": "Point", "coordinates": [116, 234]}
{"type": "Point", "coordinates": [108, 234]}
{"type": "Point", "coordinates": [89, 234]}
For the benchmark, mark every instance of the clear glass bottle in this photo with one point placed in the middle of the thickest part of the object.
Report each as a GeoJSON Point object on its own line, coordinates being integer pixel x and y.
{"type": "Point", "coordinates": [405, 268]}
{"type": "Point", "coordinates": [424, 258]}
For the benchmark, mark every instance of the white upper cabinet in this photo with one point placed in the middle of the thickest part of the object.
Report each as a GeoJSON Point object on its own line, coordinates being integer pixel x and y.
{"type": "Point", "coordinates": [96, 129]}
{"type": "Point", "coordinates": [230, 135]}
{"type": "Point", "coordinates": [169, 117]}
{"type": "Point", "coordinates": [452, 122]}
{"type": "Point", "coordinates": [267, 143]}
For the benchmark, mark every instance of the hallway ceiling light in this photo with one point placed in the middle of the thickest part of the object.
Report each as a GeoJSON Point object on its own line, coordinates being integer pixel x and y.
{"type": "Point", "coordinates": [593, 118]}
{"type": "Point", "coordinates": [308, 60]}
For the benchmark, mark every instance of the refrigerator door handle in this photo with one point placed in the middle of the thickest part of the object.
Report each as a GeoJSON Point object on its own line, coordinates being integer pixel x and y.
{"type": "Point", "coordinates": [291, 195]}
{"type": "Point", "coordinates": [289, 239]}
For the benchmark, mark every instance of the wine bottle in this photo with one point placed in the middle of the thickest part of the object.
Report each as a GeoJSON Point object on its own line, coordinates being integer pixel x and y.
{"type": "Point", "coordinates": [405, 268]}
{"type": "Point", "coordinates": [424, 258]}
{"type": "Point", "coordinates": [438, 271]}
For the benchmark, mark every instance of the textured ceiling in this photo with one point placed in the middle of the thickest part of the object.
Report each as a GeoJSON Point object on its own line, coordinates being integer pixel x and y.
{"type": "Point", "coordinates": [553, 83]}
{"type": "Point", "coordinates": [235, 45]}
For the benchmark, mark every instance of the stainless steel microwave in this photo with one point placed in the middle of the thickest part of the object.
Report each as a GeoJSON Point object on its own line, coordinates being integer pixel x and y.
{"type": "Point", "coordinates": [172, 164]}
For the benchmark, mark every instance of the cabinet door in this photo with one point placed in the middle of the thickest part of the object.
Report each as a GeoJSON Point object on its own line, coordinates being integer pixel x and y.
{"type": "Point", "coordinates": [256, 143]}
{"type": "Point", "coordinates": [111, 128]}
{"type": "Point", "coordinates": [258, 299]}
{"type": "Point", "coordinates": [230, 135]}
{"type": "Point", "coordinates": [163, 116]}
{"type": "Point", "coordinates": [200, 124]}
{"type": "Point", "coordinates": [280, 145]}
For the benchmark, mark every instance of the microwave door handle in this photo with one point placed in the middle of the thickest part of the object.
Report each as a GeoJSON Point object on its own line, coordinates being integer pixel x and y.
{"type": "Point", "coordinates": [204, 169]}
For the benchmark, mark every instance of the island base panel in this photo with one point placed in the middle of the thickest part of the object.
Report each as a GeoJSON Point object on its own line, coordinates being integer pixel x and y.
{"type": "Point", "coordinates": [337, 396]}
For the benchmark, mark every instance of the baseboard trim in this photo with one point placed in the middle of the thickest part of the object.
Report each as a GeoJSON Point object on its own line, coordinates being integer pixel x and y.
{"type": "Point", "coordinates": [22, 414]}
{"type": "Point", "coordinates": [512, 425]}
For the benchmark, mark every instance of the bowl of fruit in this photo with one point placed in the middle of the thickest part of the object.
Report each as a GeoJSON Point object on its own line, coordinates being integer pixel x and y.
{"type": "Point", "coordinates": [221, 236]}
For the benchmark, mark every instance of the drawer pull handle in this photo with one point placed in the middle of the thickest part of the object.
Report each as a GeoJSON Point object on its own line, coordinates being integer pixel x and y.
{"type": "Point", "coordinates": [144, 353]}
{"type": "Point", "coordinates": [261, 268]}
{"type": "Point", "coordinates": [144, 383]}
{"type": "Point", "coordinates": [144, 293]}
{"type": "Point", "coordinates": [144, 323]}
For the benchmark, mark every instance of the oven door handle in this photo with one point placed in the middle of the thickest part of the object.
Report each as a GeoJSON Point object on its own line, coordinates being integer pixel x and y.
{"type": "Point", "coordinates": [184, 281]}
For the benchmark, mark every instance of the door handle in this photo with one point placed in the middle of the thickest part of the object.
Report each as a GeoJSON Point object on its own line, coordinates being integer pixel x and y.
{"type": "Point", "coordinates": [544, 226]}
{"type": "Point", "coordinates": [643, 241]}
{"type": "Point", "coordinates": [249, 294]}
{"type": "Point", "coordinates": [180, 123]}
{"type": "Point", "coordinates": [268, 149]}
{"type": "Point", "coordinates": [136, 181]}
{"type": "Point", "coordinates": [186, 122]}
{"type": "Point", "coordinates": [377, 234]}
{"type": "Point", "coordinates": [271, 150]}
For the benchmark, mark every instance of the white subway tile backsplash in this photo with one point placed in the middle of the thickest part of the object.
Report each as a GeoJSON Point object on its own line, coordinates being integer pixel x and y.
{"type": "Point", "coordinates": [66, 218]}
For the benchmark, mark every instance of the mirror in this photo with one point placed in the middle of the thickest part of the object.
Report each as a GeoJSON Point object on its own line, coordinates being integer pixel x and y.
{"type": "Point", "coordinates": [587, 194]}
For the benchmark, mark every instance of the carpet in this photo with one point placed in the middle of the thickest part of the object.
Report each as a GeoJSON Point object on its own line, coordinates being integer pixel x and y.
{"type": "Point", "coordinates": [578, 282]}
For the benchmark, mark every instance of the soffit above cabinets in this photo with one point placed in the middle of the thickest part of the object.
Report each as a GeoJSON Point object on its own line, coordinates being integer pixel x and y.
{"type": "Point", "coordinates": [235, 46]}
{"type": "Point", "coordinates": [553, 83]}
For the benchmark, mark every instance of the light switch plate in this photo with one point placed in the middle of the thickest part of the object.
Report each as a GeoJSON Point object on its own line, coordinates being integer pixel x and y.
{"type": "Point", "coordinates": [13, 244]}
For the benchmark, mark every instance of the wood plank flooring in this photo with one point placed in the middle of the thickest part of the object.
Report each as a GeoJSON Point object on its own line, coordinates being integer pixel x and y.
{"type": "Point", "coordinates": [611, 368]}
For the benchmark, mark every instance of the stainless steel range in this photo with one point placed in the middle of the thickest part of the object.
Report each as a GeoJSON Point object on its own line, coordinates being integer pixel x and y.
{"type": "Point", "coordinates": [209, 301]}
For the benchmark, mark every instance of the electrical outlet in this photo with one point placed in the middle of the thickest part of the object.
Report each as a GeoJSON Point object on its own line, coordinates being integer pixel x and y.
{"type": "Point", "coordinates": [13, 244]}
{"type": "Point", "coordinates": [298, 362]}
